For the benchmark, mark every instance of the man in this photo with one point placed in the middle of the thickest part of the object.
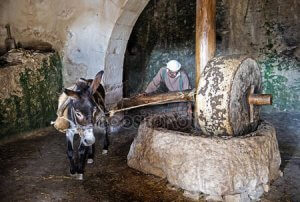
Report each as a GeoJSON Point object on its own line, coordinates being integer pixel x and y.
{"type": "Point", "coordinates": [172, 76]}
{"type": "Point", "coordinates": [174, 79]}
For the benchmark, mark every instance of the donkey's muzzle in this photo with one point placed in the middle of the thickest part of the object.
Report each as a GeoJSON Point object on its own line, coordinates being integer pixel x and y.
{"type": "Point", "coordinates": [88, 137]}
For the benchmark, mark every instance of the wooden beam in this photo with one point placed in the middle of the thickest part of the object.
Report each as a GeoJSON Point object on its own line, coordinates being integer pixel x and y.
{"type": "Point", "coordinates": [155, 99]}
{"type": "Point", "coordinates": [205, 34]}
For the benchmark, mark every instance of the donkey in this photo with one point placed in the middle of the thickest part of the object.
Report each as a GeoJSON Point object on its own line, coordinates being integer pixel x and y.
{"type": "Point", "coordinates": [86, 115]}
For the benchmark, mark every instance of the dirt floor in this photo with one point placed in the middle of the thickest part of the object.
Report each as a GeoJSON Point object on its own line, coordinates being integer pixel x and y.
{"type": "Point", "coordinates": [36, 169]}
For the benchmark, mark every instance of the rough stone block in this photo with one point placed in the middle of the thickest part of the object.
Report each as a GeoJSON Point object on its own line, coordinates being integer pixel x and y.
{"type": "Point", "coordinates": [136, 6]}
{"type": "Point", "coordinates": [215, 166]}
{"type": "Point", "coordinates": [121, 32]}
{"type": "Point", "coordinates": [192, 195]}
{"type": "Point", "coordinates": [117, 47]}
{"type": "Point", "coordinates": [128, 18]}
{"type": "Point", "coordinates": [237, 198]}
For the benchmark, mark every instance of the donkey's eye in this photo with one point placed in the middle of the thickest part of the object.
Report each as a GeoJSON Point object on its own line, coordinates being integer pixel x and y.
{"type": "Point", "coordinates": [78, 114]}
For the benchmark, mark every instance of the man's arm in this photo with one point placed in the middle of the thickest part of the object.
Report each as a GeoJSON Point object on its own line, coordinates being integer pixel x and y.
{"type": "Point", "coordinates": [185, 81]}
{"type": "Point", "coordinates": [186, 86]}
{"type": "Point", "coordinates": [155, 83]}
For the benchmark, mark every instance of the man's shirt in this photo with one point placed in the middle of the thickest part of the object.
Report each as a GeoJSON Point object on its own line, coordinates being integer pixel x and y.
{"type": "Point", "coordinates": [179, 83]}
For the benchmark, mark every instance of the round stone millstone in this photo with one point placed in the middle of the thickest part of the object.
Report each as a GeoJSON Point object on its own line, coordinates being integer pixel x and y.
{"type": "Point", "coordinates": [212, 165]}
{"type": "Point", "coordinates": [221, 105]}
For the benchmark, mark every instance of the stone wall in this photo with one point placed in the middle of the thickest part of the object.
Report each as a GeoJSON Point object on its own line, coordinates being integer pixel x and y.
{"type": "Point", "coordinates": [270, 31]}
{"type": "Point", "coordinates": [30, 85]}
{"type": "Point", "coordinates": [267, 30]}
{"type": "Point", "coordinates": [238, 167]}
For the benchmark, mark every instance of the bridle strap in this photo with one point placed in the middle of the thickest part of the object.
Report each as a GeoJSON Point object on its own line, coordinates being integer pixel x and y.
{"type": "Point", "coordinates": [97, 105]}
{"type": "Point", "coordinates": [80, 128]}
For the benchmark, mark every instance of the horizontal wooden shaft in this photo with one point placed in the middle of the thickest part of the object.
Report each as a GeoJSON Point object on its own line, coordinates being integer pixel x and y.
{"type": "Point", "coordinates": [155, 99]}
{"type": "Point", "coordinates": [260, 99]}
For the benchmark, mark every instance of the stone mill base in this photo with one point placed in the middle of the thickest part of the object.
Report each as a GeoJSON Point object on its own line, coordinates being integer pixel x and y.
{"type": "Point", "coordinates": [229, 169]}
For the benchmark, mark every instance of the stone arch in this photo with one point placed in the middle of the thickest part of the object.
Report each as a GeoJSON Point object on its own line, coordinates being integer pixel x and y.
{"type": "Point", "coordinates": [114, 57]}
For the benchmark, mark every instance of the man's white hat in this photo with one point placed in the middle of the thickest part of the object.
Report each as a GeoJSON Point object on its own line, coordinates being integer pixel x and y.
{"type": "Point", "coordinates": [173, 65]}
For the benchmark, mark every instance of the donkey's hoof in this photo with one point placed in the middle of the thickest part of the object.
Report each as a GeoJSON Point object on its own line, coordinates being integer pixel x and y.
{"type": "Point", "coordinates": [90, 161]}
{"type": "Point", "coordinates": [73, 175]}
{"type": "Point", "coordinates": [104, 151]}
{"type": "Point", "coordinates": [79, 176]}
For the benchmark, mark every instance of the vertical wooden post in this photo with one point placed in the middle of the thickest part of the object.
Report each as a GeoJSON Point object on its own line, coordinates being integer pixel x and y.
{"type": "Point", "coordinates": [205, 34]}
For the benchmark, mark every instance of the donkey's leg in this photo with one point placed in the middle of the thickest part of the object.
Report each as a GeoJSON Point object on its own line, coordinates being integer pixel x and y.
{"type": "Point", "coordinates": [82, 153]}
{"type": "Point", "coordinates": [91, 152]}
{"type": "Point", "coordinates": [106, 139]}
{"type": "Point", "coordinates": [70, 151]}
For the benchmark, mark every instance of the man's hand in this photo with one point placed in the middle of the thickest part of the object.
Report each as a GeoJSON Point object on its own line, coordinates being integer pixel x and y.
{"type": "Point", "coordinates": [141, 94]}
{"type": "Point", "coordinates": [190, 111]}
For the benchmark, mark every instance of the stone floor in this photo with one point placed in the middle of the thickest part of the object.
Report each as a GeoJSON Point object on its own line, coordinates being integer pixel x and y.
{"type": "Point", "coordinates": [36, 169]}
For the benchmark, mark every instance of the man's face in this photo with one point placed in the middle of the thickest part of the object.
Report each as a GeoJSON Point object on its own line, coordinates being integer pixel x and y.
{"type": "Point", "coordinates": [172, 74]}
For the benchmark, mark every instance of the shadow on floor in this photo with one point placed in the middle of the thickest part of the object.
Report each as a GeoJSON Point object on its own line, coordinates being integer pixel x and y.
{"type": "Point", "coordinates": [287, 127]}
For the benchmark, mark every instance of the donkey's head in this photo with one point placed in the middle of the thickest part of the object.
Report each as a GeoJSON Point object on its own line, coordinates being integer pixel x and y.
{"type": "Point", "coordinates": [82, 107]}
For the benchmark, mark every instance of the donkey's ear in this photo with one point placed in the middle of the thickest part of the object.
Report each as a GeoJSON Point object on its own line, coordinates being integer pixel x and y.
{"type": "Point", "coordinates": [96, 82]}
{"type": "Point", "coordinates": [71, 93]}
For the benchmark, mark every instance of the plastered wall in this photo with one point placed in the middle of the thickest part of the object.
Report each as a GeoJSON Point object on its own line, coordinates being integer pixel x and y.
{"type": "Point", "coordinates": [90, 35]}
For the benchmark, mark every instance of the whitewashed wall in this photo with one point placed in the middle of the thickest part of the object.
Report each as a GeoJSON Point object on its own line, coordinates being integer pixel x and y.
{"type": "Point", "coordinates": [91, 35]}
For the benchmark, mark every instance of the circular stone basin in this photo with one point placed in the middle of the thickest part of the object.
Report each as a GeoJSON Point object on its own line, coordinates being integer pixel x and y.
{"type": "Point", "coordinates": [240, 166]}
